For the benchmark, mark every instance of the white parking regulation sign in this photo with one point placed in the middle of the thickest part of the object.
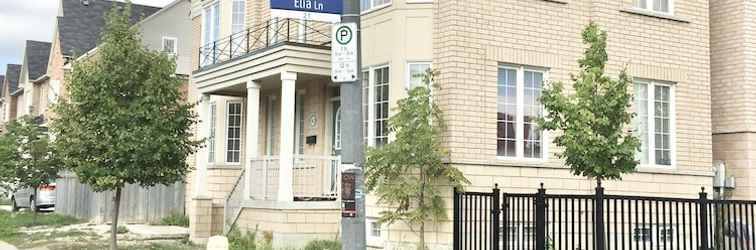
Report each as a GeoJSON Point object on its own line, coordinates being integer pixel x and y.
{"type": "Point", "coordinates": [344, 52]}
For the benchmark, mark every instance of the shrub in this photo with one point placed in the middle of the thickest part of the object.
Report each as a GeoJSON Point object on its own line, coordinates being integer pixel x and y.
{"type": "Point", "coordinates": [246, 241]}
{"type": "Point", "coordinates": [323, 245]}
{"type": "Point", "coordinates": [175, 219]}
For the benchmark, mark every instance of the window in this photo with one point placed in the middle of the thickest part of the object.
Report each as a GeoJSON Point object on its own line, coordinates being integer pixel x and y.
{"type": "Point", "coordinates": [53, 92]}
{"type": "Point", "coordinates": [365, 106]}
{"type": "Point", "coordinates": [642, 234]}
{"type": "Point", "coordinates": [416, 74]}
{"type": "Point", "coordinates": [381, 93]}
{"type": "Point", "coordinates": [654, 122]}
{"type": "Point", "coordinates": [210, 30]}
{"type": "Point", "coordinates": [233, 136]}
{"type": "Point", "coordinates": [367, 5]}
{"type": "Point", "coordinates": [373, 228]}
{"type": "Point", "coordinates": [299, 124]}
{"type": "Point", "coordinates": [211, 138]}
{"type": "Point", "coordinates": [169, 45]}
{"type": "Point", "coordinates": [237, 16]}
{"type": "Point", "coordinates": [270, 126]}
{"type": "Point", "coordinates": [518, 107]}
{"type": "Point", "coordinates": [337, 130]}
{"type": "Point", "coordinates": [666, 234]}
{"type": "Point", "coordinates": [662, 6]}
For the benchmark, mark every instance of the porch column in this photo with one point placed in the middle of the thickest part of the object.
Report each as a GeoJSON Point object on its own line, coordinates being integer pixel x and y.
{"type": "Point", "coordinates": [200, 181]}
{"type": "Point", "coordinates": [253, 132]}
{"type": "Point", "coordinates": [286, 145]}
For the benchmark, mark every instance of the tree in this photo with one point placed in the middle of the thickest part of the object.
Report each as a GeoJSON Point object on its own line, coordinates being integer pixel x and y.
{"type": "Point", "coordinates": [593, 119]}
{"type": "Point", "coordinates": [409, 174]}
{"type": "Point", "coordinates": [28, 159]}
{"type": "Point", "coordinates": [124, 120]}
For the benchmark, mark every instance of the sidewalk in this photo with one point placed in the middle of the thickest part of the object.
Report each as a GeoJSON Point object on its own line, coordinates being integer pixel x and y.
{"type": "Point", "coordinates": [6, 246]}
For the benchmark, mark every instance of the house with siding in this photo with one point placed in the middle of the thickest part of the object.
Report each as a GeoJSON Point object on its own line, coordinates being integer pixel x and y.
{"type": "Point", "coordinates": [10, 89]}
{"type": "Point", "coordinates": [36, 55]}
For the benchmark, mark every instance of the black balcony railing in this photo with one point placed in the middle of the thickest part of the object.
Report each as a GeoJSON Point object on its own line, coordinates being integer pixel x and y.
{"type": "Point", "coordinates": [268, 34]}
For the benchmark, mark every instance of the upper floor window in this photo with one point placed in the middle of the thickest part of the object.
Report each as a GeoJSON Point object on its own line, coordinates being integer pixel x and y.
{"type": "Point", "coordinates": [518, 107]}
{"type": "Point", "coordinates": [237, 19]}
{"type": "Point", "coordinates": [415, 73]}
{"type": "Point", "coordinates": [375, 89]}
{"type": "Point", "coordinates": [662, 6]}
{"type": "Point", "coordinates": [654, 122]}
{"type": "Point", "coordinates": [233, 136]}
{"type": "Point", "coordinates": [367, 5]}
{"type": "Point", "coordinates": [170, 45]}
{"type": "Point", "coordinates": [211, 24]}
{"type": "Point", "coordinates": [211, 138]}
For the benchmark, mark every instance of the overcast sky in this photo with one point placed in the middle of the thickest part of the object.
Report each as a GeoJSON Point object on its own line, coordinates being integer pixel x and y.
{"type": "Point", "coordinates": [22, 20]}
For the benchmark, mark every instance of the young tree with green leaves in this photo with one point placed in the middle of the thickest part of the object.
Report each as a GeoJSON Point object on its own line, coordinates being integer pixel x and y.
{"type": "Point", "coordinates": [594, 119]}
{"type": "Point", "coordinates": [27, 157]}
{"type": "Point", "coordinates": [124, 121]}
{"type": "Point", "coordinates": [408, 174]}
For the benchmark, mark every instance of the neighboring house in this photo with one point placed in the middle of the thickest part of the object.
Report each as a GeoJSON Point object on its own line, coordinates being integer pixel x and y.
{"type": "Point", "coordinates": [10, 91]}
{"type": "Point", "coordinates": [271, 112]}
{"type": "Point", "coordinates": [733, 86]}
{"type": "Point", "coordinates": [169, 31]}
{"type": "Point", "coordinates": [2, 103]}
{"type": "Point", "coordinates": [35, 58]}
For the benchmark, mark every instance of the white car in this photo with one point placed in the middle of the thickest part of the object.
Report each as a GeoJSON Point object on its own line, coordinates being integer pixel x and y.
{"type": "Point", "coordinates": [24, 198]}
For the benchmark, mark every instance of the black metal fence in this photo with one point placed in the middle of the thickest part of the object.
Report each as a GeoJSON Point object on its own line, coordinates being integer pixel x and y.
{"type": "Point", "coordinates": [598, 221]}
{"type": "Point", "coordinates": [264, 35]}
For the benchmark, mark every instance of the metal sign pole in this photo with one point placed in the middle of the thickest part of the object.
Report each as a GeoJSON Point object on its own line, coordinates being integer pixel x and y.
{"type": "Point", "coordinates": [352, 155]}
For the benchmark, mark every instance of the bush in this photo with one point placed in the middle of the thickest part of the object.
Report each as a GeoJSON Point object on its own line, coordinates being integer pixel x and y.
{"type": "Point", "coordinates": [246, 241]}
{"type": "Point", "coordinates": [175, 219]}
{"type": "Point", "coordinates": [323, 245]}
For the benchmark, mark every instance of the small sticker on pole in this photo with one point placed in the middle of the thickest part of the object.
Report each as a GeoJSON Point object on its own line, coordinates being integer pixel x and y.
{"type": "Point", "coordinates": [344, 53]}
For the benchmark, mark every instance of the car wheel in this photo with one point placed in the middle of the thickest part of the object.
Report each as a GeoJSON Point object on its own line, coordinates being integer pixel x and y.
{"type": "Point", "coordinates": [14, 206]}
{"type": "Point", "coordinates": [33, 205]}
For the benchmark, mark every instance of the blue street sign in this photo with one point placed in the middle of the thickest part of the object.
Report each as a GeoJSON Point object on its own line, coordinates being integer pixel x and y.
{"type": "Point", "coordinates": [317, 6]}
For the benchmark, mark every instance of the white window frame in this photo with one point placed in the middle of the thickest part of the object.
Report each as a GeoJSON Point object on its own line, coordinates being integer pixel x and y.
{"type": "Point", "coordinates": [371, 102]}
{"type": "Point", "coordinates": [175, 45]}
{"type": "Point", "coordinates": [299, 124]}
{"type": "Point", "coordinates": [53, 92]}
{"type": "Point", "coordinates": [374, 7]}
{"type": "Point", "coordinates": [213, 133]}
{"type": "Point", "coordinates": [520, 114]}
{"type": "Point", "coordinates": [270, 125]}
{"type": "Point", "coordinates": [210, 12]}
{"type": "Point", "coordinates": [241, 131]}
{"type": "Point", "coordinates": [375, 241]}
{"type": "Point", "coordinates": [650, 8]}
{"type": "Point", "coordinates": [419, 1]}
{"type": "Point", "coordinates": [651, 84]}
{"type": "Point", "coordinates": [234, 13]}
{"type": "Point", "coordinates": [408, 78]}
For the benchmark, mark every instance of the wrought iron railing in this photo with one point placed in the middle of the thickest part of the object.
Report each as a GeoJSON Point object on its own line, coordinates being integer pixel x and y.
{"type": "Point", "coordinates": [232, 207]}
{"type": "Point", "coordinates": [268, 34]}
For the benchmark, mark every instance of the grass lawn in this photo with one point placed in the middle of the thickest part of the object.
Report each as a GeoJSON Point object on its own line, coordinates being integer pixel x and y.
{"type": "Point", "coordinates": [12, 225]}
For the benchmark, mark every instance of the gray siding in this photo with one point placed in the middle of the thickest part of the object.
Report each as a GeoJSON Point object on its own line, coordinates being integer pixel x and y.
{"type": "Point", "coordinates": [172, 21]}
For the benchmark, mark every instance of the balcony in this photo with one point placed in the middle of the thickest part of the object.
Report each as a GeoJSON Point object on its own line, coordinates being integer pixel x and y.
{"type": "Point", "coordinates": [270, 34]}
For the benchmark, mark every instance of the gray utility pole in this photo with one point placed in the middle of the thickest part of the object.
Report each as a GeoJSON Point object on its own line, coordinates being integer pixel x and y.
{"type": "Point", "coordinates": [352, 154]}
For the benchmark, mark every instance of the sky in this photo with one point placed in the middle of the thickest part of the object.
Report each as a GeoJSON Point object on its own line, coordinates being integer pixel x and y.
{"type": "Point", "coordinates": [22, 20]}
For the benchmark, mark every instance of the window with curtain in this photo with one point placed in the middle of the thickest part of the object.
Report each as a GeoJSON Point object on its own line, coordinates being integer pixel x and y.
{"type": "Point", "coordinates": [237, 17]}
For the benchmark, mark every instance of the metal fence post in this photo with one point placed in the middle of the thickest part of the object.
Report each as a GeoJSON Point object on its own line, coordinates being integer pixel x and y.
{"type": "Point", "coordinates": [495, 217]}
{"type": "Point", "coordinates": [598, 220]}
{"type": "Point", "coordinates": [703, 222]}
{"type": "Point", "coordinates": [457, 219]}
{"type": "Point", "coordinates": [505, 220]}
{"type": "Point", "coordinates": [540, 219]}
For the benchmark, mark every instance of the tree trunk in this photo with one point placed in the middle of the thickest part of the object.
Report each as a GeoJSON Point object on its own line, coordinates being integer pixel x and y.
{"type": "Point", "coordinates": [421, 246]}
{"type": "Point", "coordinates": [114, 224]}
{"type": "Point", "coordinates": [34, 209]}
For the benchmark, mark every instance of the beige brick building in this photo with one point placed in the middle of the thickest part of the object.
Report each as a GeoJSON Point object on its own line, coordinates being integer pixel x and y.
{"type": "Point", "coordinates": [493, 57]}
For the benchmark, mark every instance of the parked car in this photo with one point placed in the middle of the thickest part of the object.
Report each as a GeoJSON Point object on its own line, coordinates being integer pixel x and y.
{"type": "Point", "coordinates": [24, 198]}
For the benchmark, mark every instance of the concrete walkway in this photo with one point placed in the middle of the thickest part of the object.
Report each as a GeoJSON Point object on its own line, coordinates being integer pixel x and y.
{"type": "Point", "coordinates": [6, 246]}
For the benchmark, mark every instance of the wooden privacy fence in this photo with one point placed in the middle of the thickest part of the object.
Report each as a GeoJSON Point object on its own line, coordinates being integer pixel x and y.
{"type": "Point", "coordinates": [138, 205]}
{"type": "Point", "coordinates": [598, 221]}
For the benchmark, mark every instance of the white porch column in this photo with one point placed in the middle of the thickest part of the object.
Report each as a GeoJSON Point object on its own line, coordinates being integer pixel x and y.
{"type": "Point", "coordinates": [203, 131]}
{"type": "Point", "coordinates": [253, 133]}
{"type": "Point", "coordinates": [286, 146]}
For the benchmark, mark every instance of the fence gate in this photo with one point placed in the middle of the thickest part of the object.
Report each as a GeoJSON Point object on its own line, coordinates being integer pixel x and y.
{"type": "Point", "coordinates": [534, 221]}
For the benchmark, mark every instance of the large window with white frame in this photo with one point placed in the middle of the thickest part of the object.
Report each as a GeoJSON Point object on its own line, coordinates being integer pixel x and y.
{"type": "Point", "coordinates": [376, 105]}
{"type": "Point", "coordinates": [368, 5]}
{"type": "Point", "coordinates": [660, 6]}
{"type": "Point", "coordinates": [374, 231]}
{"type": "Point", "coordinates": [416, 73]}
{"type": "Point", "coordinates": [170, 45]}
{"type": "Point", "coordinates": [210, 29]}
{"type": "Point", "coordinates": [655, 122]}
{"type": "Point", "coordinates": [299, 124]}
{"type": "Point", "coordinates": [518, 106]}
{"type": "Point", "coordinates": [233, 134]}
{"type": "Point", "coordinates": [211, 138]}
{"type": "Point", "coordinates": [237, 16]}
{"type": "Point", "coordinates": [366, 106]}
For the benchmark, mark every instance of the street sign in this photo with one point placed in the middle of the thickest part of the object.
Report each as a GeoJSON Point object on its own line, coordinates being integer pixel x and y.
{"type": "Point", "coordinates": [318, 10]}
{"type": "Point", "coordinates": [344, 52]}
